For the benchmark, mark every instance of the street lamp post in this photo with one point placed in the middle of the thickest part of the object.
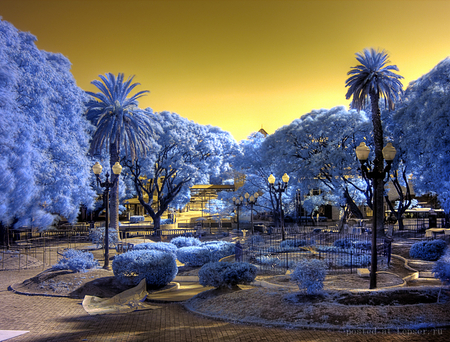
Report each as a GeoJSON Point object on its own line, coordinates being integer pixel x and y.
{"type": "Point", "coordinates": [238, 202]}
{"type": "Point", "coordinates": [279, 188]}
{"type": "Point", "coordinates": [251, 200]}
{"type": "Point", "coordinates": [362, 153]}
{"type": "Point", "coordinates": [116, 169]}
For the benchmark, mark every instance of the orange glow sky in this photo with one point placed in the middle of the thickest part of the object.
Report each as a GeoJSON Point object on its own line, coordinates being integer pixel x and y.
{"type": "Point", "coordinates": [236, 64]}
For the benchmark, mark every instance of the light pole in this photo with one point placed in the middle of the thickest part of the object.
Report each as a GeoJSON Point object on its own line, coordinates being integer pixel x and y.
{"type": "Point", "coordinates": [238, 203]}
{"type": "Point", "coordinates": [116, 169]}
{"type": "Point", "coordinates": [279, 189]}
{"type": "Point", "coordinates": [362, 153]}
{"type": "Point", "coordinates": [251, 200]}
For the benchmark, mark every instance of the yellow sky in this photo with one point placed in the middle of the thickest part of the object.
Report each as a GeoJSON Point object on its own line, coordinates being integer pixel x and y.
{"type": "Point", "coordinates": [235, 64]}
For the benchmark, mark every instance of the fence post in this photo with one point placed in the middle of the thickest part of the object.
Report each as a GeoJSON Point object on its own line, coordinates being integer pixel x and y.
{"type": "Point", "coordinates": [351, 262]}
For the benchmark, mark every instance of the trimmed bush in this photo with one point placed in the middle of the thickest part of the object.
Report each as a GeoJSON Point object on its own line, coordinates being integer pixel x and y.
{"type": "Point", "coordinates": [77, 261]}
{"type": "Point", "coordinates": [309, 275]}
{"type": "Point", "coordinates": [183, 241]}
{"type": "Point", "coordinates": [97, 236]}
{"type": "Point", "coordinates": [256, 240]}
{"type": "Point", "coordinates": [441, 268]}
{"type": "Point", "coordinates": [347, 243]}
{"type": "Point", "coordinates": [159, 246]}
{"type": "Point", "coordinates": [156, 267]}
{"type": "Point", "coordinates": [227, 274]}
{"type": "Point", "coordinates": [194, 255]}
{"type": "Point", "coordinates": [219, 249]}
{"type": "Point", "coordinates": [295, 243]}
{"type": "Point", "coordinates": [428, 250]}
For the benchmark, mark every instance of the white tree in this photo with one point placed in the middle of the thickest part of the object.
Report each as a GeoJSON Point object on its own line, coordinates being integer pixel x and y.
{"type": "Point", "coordinates": [44, 137]}
{"type": "Point", "coordinates": [186, 153]}
{"type": "Point", "coordinates": [318, 151]}
{"type": "Point", "coordinates": [422, 129]}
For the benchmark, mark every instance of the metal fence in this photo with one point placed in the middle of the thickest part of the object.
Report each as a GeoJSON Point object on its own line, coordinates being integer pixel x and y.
{"type": "Point", "coordinates": [272, 255]}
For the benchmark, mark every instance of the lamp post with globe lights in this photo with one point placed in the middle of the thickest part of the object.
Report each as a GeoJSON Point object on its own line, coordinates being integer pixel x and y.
{"type": "Point", "coordinates": [97, 169]}
{"type": "Point", "coordinates": [279, 188]}
{"type": "Point", "coordinates": [238, 202]}
{"type": "Point", "coordinates": [372, 173]}
{"type": "Point", "coordinates": [251, 200]}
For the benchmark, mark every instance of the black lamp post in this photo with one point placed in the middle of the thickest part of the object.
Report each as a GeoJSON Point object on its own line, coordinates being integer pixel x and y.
{"type": "Point", "coordinates": [251, 200]}
{"type": "Point", "coordinates": [279, 188]}
{"type": "Point", "coordinates": [238, 202]}
{"type": "Point", "coordinates": [116, 169]}
{"type": "Point", "coordinates": [362, 153]}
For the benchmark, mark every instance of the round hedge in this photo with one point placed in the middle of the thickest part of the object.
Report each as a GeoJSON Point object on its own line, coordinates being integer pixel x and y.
{"type": "Point", "coordinates": [428, 250]}
{"type": "Point", "coordinates": [183, 241]}
{"type": "Point", "coordinates": [194, 255]}
{"type": "Point", "coordinates": [227, 274]}
{"type": "Point", "coordinates": [156, 267]}
{"type": "Point", "coordinates": [159, 246]}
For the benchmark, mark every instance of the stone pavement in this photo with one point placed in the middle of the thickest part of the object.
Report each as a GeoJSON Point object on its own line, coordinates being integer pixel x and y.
{"type": "Point", "coordinates": [64, 319]}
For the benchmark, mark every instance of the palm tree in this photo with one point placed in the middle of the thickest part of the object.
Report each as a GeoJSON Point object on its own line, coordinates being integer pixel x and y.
{"type": "Point", "coordinates": [119, 124]}
{"type": "Point", "coordinates": [374, 79]}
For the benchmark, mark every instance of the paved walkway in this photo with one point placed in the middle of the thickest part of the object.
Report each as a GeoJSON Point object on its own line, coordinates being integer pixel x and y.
{"type": "Point", "coordinates": [64, 319]}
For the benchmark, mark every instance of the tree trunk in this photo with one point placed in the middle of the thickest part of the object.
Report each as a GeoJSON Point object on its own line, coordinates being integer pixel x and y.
{"type": "Point", "coordinates": [114, 193]}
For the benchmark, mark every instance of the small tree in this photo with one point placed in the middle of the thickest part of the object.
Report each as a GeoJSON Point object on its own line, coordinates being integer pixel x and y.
{"type": "Point", "coordinates": [309, 275]}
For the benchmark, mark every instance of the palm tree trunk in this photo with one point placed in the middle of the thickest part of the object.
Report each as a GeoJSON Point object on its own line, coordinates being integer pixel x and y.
{"type": "Point", "coordinates": [378, 184]}
{"type": "Point", "coordinates": [114, 194]}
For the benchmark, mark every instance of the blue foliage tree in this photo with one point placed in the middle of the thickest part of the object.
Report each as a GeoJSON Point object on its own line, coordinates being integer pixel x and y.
{"type": "Point", "coordinates": [185, 153]}
{"type": "Point", "coordinates": [422, 125]}
{"type": "Point", "coordinates": [44, 136]}
{"type": "Point", "coordinates": [318, 152]}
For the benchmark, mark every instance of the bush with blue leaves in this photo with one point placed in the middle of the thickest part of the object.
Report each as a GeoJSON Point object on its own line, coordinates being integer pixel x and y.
{"type": "Point", "coordinates": [158, 268]}
{"type": "Point", "coordinates": [194, 255]}
{"type": "Point", "coordinates": [159, 246]}
{"type": "Point", "coordinates": [97, 236]}
{"type": "Point", "coordinates": [441, 268]}
{"type": "Point", "coordinates": [428, 250]}
{"type": "Point", "coordinates": [310, 275]}
{"type": "Point", "coordinates": [77, 261]}
{"type": "Point", "coordinates": [183, 241]}
{"type": "Point", "coordinates": [296, 243]}
{"type": "Point", "coordinates": [219, 249]}
{"type": "Point", "coordinates": [227, 274]}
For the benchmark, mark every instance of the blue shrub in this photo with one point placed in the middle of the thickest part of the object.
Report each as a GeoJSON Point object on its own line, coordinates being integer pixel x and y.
{"type": "Point", "coordinates": [367, 245]}
{"type": "Point", "coordinates": [159, 246]}
{"type": "Point", "coordinates": [267, 260]}
{"type": "Point", "coordinates": [347, 243]}
{"type": "Point", "coordinates": [343, 243]}
{"type": "Point", "coordinates": [256, 240]}
{"type": "Point", "coordinates": [441, 268]}
{"type": "Point", "coordinates": [219, 249]}
{"type": "Point", "coordinates": [183, 241]}
{"type": "Point", "coordinates": [428, 250]}
{"type": "Point", "coordinates": [76, 261]}
{"type": "Point", "coordinates": [226, 274]}
{"type": "Point", "coordinates": [309, 275]}
{"type": "Point", "coordinates": [194, 255]}
{"type": "Point", "coordinates": [156, 267]}
{"type": "Point", "coordinates": [294, 243]}
{"type": "Point", "coordinates": [97, 236]}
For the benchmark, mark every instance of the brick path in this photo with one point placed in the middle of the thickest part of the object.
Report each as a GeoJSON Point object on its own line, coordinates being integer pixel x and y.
{"type": "Point", "coordinates": [64, 319]}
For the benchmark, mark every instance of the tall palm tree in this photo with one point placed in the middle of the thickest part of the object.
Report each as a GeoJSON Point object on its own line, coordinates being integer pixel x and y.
{"type": "Point", "coordinates": [119, 124]}
{"type": "Point", "coordinates": [374, 79]}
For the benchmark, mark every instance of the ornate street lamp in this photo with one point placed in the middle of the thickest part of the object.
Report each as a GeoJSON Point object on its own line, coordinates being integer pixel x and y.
{"type": "Point", "coordinates": [279, 188]}
{"type": "Point", "coordinates": [116, 169]}
{"type": "Point", "coordinates": [238, 202]}
{"type": "Point", "coordinates": [372, 173]}
{"type": "Point", "coordinates": [251, 200]}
